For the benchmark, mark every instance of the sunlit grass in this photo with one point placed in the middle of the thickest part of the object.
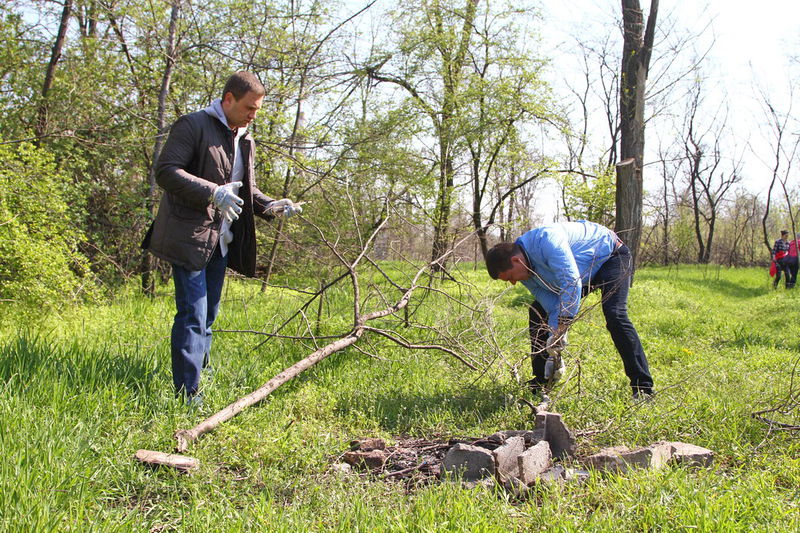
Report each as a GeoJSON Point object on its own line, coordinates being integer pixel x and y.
{"type": "Point", "coordinates": [81, 390]}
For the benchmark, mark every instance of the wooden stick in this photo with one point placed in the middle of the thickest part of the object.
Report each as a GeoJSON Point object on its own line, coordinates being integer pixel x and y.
{"type": "Point", "coordinates": [183, 463]}
{"type": "Point", "coordinates": [187, 436]}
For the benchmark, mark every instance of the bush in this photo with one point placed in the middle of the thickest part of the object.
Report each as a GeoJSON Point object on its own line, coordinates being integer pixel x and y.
{"type": "Point", "coordinates": [40, 220]}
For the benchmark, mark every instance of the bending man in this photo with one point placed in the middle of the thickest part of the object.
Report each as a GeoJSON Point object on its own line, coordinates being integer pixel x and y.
{"type": "Point", "coordinates": [559, 264]}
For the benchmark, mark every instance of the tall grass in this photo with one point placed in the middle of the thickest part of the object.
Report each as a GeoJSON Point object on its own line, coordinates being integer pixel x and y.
{"type": "Point", "coordinates": [80, 391]}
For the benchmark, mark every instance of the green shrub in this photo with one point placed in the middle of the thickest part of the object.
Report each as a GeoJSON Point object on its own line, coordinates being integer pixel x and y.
{"type": "Point", "coordinates": [40, 236]}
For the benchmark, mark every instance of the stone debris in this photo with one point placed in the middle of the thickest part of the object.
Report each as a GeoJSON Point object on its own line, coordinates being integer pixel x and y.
{"type": "Point", "coordinates": [687, 454]}
{"type": "Point", "coordinates": [469, 463]}
{"type": "Point", "coordinates": [576, 475]}
{"type": "Point", "coordinates": [514, 459]}
{"type": "Point", "coordinates": [506, 456]}
{"type": "Point", "coordinates": [657, 455]}
{"type": "Point", "coordinates": [533, 462]}
{"type": "Point", "coordinates": [342, 468]}
{"type": "Point", "coordinates": [372, 459]}
{"type": "Point", "coordinates": [531, 437]}
{"type": "Point", "coordinates": [367, 445]}
{"type": "Point", "coordinates": [556, 473]}
{"type": "Point", "coordinates": [562, 442]}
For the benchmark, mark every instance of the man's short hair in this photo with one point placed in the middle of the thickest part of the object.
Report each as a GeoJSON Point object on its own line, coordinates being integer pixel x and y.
{"type": "Point", "coordinates": [784, 232]}
{"type": "Point", "coordinates": [242, 82]}
{"type": "Point", "coordinates": [498, 258]}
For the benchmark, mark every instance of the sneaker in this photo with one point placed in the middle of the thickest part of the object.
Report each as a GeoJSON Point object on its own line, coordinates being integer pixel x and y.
{"type": "Point", "coordinates": [195, 401]}
{"type": "Point", "coordinates": [641, 395]}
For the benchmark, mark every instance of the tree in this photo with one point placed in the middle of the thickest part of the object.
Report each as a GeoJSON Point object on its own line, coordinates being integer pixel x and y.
{"type": "Point", "coordinates": [505, 93]}
{"type": "Point", "coordinates": [41, 120]}
{"type": "Point", "coordinates": [636, 52]}
{"type": "Point", "coordinates": [785, 152]}
{"type": "Point", "coordinates": [708, 183]}
{"type": "Point", "coordinates": [429, 65]}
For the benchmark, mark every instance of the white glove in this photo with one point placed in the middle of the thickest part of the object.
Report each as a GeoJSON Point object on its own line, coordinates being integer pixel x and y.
{"type": "Point", "coordinates": [554, 369]}
{"type": "Point", "coordinates": [225, 199]}
{"type": "Point", "coordinates": [556, 344]}
{"type": "Point", "coordinates": [284, 207]}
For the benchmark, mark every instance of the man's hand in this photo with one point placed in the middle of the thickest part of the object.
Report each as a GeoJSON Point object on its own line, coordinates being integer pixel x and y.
{"type": "Point", "coordinates": [554, 366]}
{"type": "Point", "coordinates": [225, 199]}
{"type": "Point", "coordinates": [554, 369]}
{"type": "Point", "coordinates": [285, 208]}
{"type": "Point", "coordinates": [556, 343]}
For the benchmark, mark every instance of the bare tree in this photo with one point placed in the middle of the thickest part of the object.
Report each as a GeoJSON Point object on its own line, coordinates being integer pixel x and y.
{"type": "Point", "coordinates": [148, 286]}
{"type": "Point", "coordinates": [41, 120]}
{"type": "Point", "coordinates": [785, 152]}
{"type": "Point", "coordinates": [708, 182]}
{"type": "Point", "coordinates": [636, 52]}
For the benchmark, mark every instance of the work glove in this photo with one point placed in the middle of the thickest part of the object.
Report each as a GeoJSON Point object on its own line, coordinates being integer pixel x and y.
{"type": "Point", "coordinates": [226, 199]}
{"type": "Point", "coordinates": [554, 368]}
{"type": "Point", "coordinates": [285, 208]}
{"type": "Point", "coordinates": [556, 344]}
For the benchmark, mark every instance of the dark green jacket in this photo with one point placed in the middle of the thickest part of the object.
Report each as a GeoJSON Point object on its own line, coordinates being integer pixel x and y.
{"type": "Point", "coordinates": [198, 154]}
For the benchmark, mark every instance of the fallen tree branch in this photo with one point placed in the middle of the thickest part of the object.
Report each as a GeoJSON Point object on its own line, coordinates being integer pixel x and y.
{"type": "Point", "coordinates": [405, 344]}
{"type": "Point", "coordinates": [186, 437]}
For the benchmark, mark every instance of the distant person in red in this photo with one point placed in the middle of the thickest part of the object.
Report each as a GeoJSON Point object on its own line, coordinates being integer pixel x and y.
{"type": "Point", "coordinates": [780, 254]}
{"type": "Point", "coordinates": [792, 261]}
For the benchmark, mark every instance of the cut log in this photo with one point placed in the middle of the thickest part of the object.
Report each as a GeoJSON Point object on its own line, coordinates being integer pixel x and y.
{"type": "Point", "coordinates": [184, 463]}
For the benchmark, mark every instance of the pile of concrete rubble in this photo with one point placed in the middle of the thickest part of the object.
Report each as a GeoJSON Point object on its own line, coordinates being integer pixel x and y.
{"type": "Point", "coordinates": [516, 459]}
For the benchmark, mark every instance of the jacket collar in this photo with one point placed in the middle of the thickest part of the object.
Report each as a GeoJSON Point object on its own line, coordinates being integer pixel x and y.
{"type": "Point", "coordinates": [215, 110]}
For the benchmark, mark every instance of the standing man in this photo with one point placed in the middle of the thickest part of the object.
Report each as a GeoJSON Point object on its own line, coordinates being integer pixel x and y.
{"type": "Point", "coordinates": [780, 254]}
{"type": "Point", "coordinates": [559, 264]}
{"type": "Point", "coordinates": [205, 221]}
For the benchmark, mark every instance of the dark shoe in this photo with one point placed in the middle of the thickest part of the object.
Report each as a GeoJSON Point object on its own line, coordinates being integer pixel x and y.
{"type": "Point", "coordinates": [643, 395]}
{"type": "Point", "coordinates": [194, 401]}
{"type": "Point", "coordinates": [538, 391]}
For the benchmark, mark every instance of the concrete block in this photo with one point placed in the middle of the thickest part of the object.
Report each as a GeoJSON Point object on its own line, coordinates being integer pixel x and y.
{"type": "Point", "coordinates": [365, 460]}
{"type": "Point", "coordinates": [562, 442]}
{"type": "Point", "coordinates": [607, 459]}
{"type": "Point", "coordinates": [623, 459]}
{"type": "Point", "coordinates": [687, 454]}
{"type": "Point", "coordinates": [533, 461]}
{"type": "Point", "coordinates": [505, 458]}
{"type": "Point", "coordinates": [469, 463]}
{"type": "Point", "coordinates": [653, 457]}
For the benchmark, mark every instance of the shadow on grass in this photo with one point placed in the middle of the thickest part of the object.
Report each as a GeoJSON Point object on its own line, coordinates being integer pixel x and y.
{"type": "Point", "coordinates": [399, 412]}
{"type": "Point", "coordinates": [726, 288]}
{"type": "Point", "coordinates": [29, 358]}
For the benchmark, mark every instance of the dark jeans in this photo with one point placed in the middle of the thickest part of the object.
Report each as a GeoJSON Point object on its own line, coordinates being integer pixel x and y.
{"type": "Point", "coordinates": [197, 296]}
{"type": "Point", "coordinates": [787, 266]}
{"type": "Point", "coordinates": [613, 279]}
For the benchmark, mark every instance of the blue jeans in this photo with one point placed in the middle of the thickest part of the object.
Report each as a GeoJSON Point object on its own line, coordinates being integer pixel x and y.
{"type": "Point", "coordinates": [613, 279]}
{"type": "Point", "coordinates": [197, 296]}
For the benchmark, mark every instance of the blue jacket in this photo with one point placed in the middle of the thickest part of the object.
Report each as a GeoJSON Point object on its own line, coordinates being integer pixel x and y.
{"type": "Point", "coordinates": [564, 257]}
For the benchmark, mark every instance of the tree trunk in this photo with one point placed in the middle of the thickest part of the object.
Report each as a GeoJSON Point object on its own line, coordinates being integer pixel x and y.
{"type": "Point", "coordinates": [636, 51]}
{"type": "Point", "coordinates": [41, 114]}
{"type": "Point", "coordinates": [148, 285]}
{"type": "Point", "coordinates": [629, 202]}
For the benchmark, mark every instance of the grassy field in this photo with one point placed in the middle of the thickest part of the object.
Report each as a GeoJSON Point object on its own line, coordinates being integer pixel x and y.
{"type": "Point", "coordinates": [82, 389]}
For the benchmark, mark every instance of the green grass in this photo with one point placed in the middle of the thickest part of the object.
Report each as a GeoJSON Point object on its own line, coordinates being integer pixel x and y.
{"type": "Point", "coordinates": [82, 390]}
